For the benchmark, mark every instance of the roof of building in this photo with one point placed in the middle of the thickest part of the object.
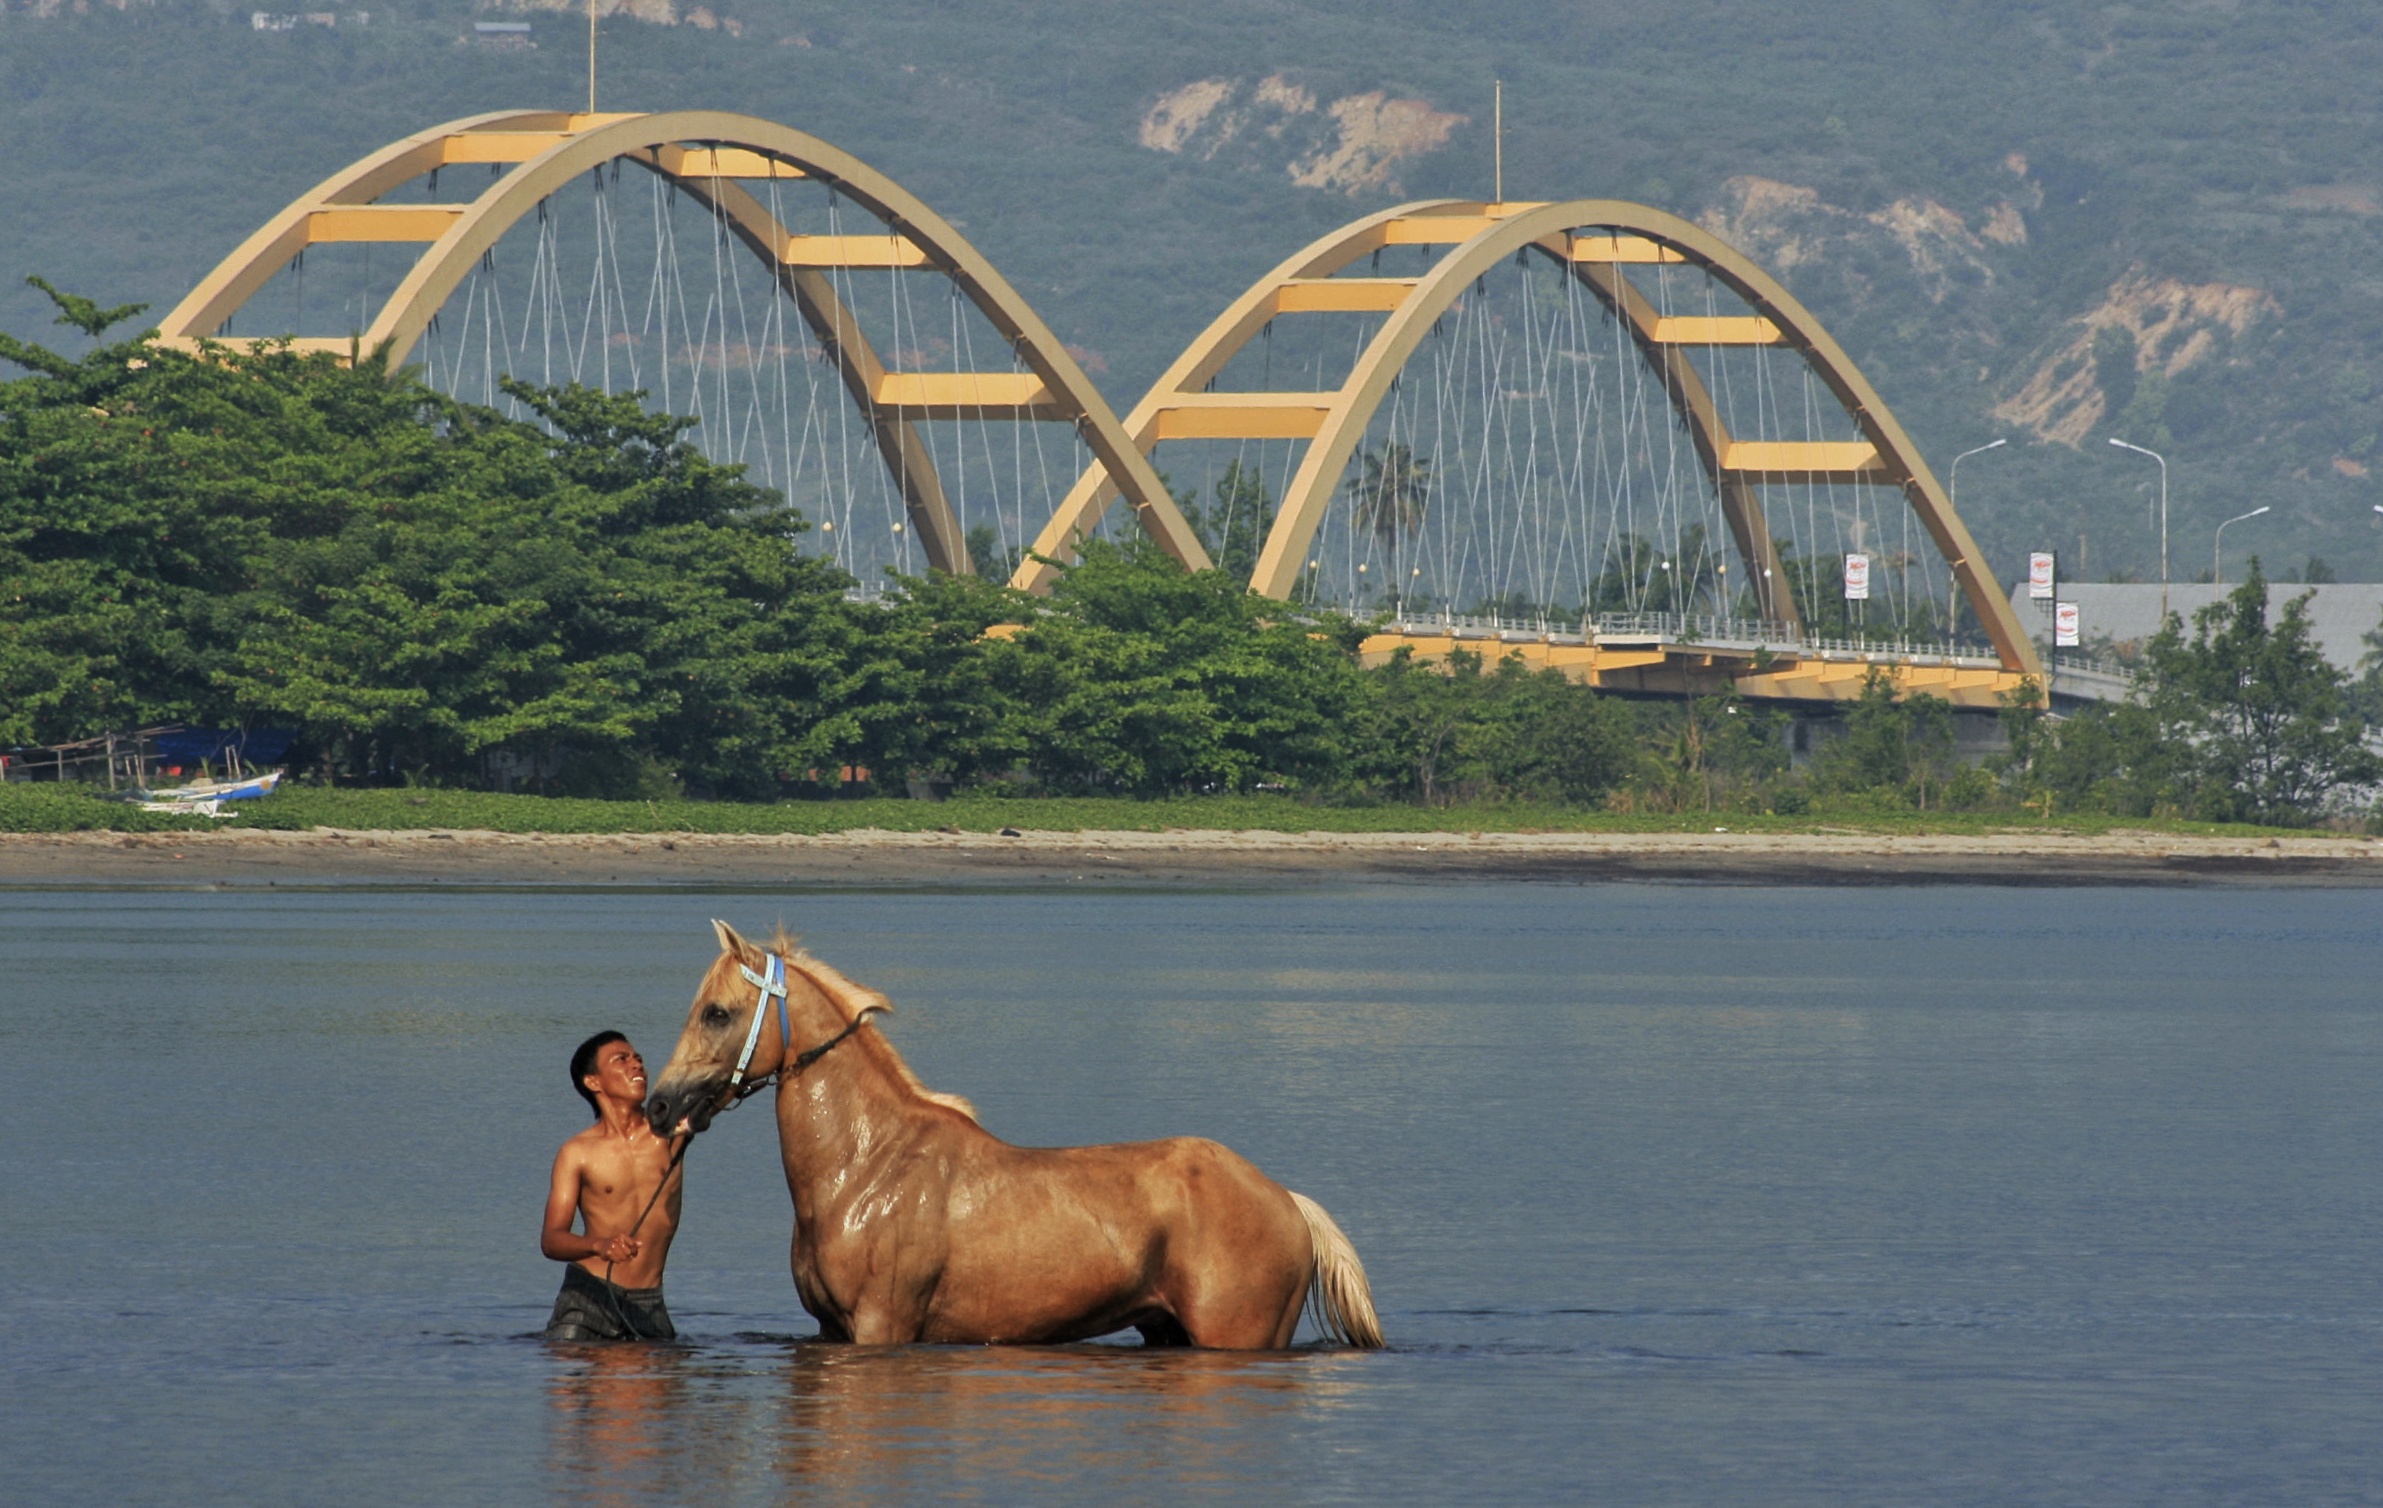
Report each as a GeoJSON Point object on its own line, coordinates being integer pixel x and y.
{"type": "Point", "coordinates": [2341, 614]}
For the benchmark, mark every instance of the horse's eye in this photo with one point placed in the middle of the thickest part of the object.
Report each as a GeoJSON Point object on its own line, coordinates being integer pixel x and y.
{"type": "Point", "coordinates": [715, 1015]}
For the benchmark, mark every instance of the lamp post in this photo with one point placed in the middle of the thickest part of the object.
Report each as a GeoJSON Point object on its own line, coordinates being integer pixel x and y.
{"type": "Point", "coordinates": [2217, 556]}
{"type": "Point", "coordinates": [2163, 460]}
{"type": "Point", "coordinates": [1952, 579]}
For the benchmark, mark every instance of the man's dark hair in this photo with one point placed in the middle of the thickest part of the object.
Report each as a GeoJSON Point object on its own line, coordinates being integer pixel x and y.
{"type": "Point", "coordinates": [583, 1063]}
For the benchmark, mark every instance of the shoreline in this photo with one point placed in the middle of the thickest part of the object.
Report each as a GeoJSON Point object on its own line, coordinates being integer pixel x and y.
{"type": "Point", "coordinates": [871, 857]}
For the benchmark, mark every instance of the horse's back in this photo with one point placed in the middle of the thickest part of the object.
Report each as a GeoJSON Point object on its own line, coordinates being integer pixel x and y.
{"type": "Point", "coordinates": [1173, 1177]}
{"type": "Point", "coordinates": [1183, 1227]}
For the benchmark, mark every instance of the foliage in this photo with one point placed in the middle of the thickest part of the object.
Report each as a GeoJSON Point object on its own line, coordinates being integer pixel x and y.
{"type": "Point", "coordinates": [1391, 493]}
{"type": "Point", "coordinates": [1143, 678]}
{"type": "Point", "coordinates": [1454, 732]}
{"type": "Point", "coordinates": [2268, 721]}
{"type": "Point", "coordinates": [2242, 720]}
{"type": "Point", "coordinates": [434, 595]}
{"type": "Point", "coordinates": [1639, 578]}
{"type": "Point", "coordinates": [413, 583]}
{"type": "Point", "coordinates": [44, 808]}
{"type": "Point", "coordinates": [1708, 752]}
{"type": "Point", "coordinates": [29, 808]}
{"type": "Point", "coordinates": [1234, 522]}
{"type": "Point", "coordinates": [1900, 747]}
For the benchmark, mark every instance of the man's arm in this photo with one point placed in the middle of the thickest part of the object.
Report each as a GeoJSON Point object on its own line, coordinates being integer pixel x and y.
{"type": "Point", "coordinates": [558, 1240]}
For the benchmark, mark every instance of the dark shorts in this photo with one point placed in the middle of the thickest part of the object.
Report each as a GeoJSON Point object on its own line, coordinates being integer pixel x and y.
{"type": "Point", "coordinates": [589, 1308]}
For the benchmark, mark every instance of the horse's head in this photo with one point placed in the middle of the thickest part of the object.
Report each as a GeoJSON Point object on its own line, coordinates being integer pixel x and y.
{"type": "Point", "coordinates": [736, 1036]}
{"type": "Point", "coordinates": [694, 1084]}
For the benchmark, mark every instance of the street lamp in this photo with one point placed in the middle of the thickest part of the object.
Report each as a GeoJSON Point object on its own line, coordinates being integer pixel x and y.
{"type": "Point", "coordinates": [1952, 576]}
{"type": "Point", "coordinates": [2217, 557]}
{"type": "Point", "coordinates": [2163, 460]}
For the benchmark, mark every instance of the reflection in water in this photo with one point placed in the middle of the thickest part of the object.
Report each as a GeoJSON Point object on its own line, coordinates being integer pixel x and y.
{"type": "Point", "coordinates": [621, 1422]}
{"type": "Point", "coordinates": [868, 1423]}
{"type": "Point", "coordinates": [638, 1424]}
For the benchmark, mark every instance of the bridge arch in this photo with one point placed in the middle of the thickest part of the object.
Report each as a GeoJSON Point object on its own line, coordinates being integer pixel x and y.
{"type": "Point", "coordinates": [1594, 241]}
{"type": "Point", "coordinates": [713, 157]}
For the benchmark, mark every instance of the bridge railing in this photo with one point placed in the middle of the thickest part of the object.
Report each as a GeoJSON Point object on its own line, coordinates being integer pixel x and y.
{"type": "Point", "coordinates": [1908, 651]}
{"type": "Point", "coordinates": [1695, 628]}
{"type": "Point", "coordinates": [1691, 628]}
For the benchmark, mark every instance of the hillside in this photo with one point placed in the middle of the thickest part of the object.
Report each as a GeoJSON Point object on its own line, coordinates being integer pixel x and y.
{"type": "Point", "coordinates": [2156, 220]}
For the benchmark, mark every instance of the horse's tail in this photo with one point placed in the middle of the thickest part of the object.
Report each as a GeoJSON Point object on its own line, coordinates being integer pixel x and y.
{"type": "Point", "coordinates": [1338, 1297]}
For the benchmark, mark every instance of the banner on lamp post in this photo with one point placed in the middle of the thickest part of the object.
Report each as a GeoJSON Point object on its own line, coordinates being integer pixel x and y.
{"type": "Point", "coordinates": [2064, 625]}
{"type": "Point", "coordinates": [2042, 570]}
{"type": "Point", "coordinates": [1857, 578]}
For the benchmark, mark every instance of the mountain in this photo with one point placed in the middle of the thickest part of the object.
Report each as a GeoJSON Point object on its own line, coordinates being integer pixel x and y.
{"type": "Point", "coordinates": [2158, 220]}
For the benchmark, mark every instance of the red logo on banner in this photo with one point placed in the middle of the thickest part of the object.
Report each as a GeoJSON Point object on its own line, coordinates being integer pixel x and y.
{"type": "Point", "coordinates": [2039, 574]}
{"type": "Point", "coordinates": [1857, 578]}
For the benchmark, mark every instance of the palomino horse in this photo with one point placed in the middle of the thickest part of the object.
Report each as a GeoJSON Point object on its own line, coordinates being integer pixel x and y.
{"type": "Point", "coordinates": [914, 1223]}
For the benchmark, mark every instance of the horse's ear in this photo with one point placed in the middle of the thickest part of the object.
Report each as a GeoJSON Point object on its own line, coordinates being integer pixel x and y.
{"type": "Point", "coordinates": [730, 942]}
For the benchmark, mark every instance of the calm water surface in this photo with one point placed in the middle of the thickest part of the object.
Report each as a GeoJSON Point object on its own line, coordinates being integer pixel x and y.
{"type": "Point", "coordinates": [1668, 1194]}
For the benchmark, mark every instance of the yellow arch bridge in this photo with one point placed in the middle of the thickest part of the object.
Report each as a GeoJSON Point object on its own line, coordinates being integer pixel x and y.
{"type": "Point", "coordinates": [1588, 433]}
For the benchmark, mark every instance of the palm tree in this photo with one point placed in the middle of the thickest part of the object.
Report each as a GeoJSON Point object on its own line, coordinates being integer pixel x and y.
{"type": "Point", "coordinates": [1390, 498]}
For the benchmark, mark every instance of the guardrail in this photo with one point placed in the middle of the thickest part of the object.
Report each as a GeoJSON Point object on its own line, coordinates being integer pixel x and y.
{"type": "Point", "coordinates": [1695, 628]}
{"type": "Point", "coordinates": [2090, 665]}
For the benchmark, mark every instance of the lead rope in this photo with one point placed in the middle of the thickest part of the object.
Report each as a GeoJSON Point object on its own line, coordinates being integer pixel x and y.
{"type": "Point", "coordinates": [611, 1294]}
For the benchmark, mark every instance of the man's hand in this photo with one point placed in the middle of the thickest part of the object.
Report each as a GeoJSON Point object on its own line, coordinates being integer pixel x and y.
{"type": "Point", "coordinates": [620, 1249]}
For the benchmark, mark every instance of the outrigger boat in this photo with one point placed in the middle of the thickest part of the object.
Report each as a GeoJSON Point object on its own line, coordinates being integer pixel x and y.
{"type": "Point", "coordinates": [206, 795]}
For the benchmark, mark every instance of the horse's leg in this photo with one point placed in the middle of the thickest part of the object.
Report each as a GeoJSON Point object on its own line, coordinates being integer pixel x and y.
{"type": "Point", "coordinates": [1238, 1262]}
{"type": "Point", "coordinates": [1163, 1330]}
{"type": "Point", "coordinates": [873, 1325]}
{"type": "Point", "coordinates": [892, 1309]}
{"type": "Point", "coordinates": [832, 1326]}
{"type": "Point", "coordinates": [1238, 1311]}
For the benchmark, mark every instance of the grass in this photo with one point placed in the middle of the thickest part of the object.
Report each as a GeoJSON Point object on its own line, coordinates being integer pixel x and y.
{"type": "Point", "coordinates": [26, 808]}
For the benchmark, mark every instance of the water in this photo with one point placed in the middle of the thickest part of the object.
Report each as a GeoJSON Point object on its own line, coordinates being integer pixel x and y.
{"type": "Point", "coordinates": [1669, 1195]}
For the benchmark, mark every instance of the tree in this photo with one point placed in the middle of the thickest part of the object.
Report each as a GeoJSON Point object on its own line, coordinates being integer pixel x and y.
{"type": "Point", "coordinates": [2270, 724]}
{"type": "Point", "coordinates": [85, 314]}
{"type": "Point", "coordinates": [412, 583]}
{"type": "Point", "coordinates": [1903, 746]}
{"type": "Point", "coordinates": [1391, 494]}
{"type": "Point", "coordinates": [1456, 729]}
{"type": "Point", "coordinates": [1700, 749]}
{"type": "Point", "coordinates": [1234, 523]}
{"type": "Point", "coordinates": [1140, 678]}
{"type": "Point", "coordinates": [989, 558]}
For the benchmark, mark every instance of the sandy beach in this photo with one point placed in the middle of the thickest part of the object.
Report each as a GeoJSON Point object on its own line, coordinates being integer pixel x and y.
{"type": "Point", "coordinates": [869, 857]}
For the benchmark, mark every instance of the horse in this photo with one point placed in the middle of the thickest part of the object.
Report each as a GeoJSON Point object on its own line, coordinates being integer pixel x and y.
{"type": "Point", "coordinates": [915, 1224]}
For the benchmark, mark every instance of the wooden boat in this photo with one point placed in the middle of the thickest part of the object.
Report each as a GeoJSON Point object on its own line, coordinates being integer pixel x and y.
{"type": "Point", "coordinates": [207, 795]}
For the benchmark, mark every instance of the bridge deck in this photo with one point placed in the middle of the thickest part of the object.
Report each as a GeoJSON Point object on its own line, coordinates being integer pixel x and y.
{"type": "Point", "coordinates": [1681, 655]}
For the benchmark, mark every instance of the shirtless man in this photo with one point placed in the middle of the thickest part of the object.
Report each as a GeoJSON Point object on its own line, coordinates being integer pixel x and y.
{"type": "Point", "coordinates": [604, 1176]}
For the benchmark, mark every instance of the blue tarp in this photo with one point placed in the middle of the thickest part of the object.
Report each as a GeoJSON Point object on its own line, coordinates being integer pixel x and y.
{"type": "Point", "coordinates": [255, 746]}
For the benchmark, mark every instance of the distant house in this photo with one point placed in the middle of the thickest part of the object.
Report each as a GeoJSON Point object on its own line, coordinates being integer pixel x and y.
{"type": "Point", "coordinates": [2120, 616]}
{"type": "Point", "coordinates": [502, 34]}
{"type": "Point", "coordinates": [265, 20]}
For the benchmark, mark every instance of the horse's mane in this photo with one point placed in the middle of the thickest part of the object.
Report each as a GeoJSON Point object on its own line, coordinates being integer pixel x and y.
{"type": "Point", "coordinates": [856, 1000]}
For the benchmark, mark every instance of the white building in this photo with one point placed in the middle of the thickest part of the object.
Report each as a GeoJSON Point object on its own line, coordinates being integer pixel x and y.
{"type": "Point", "coordinates": [2116, 616]}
